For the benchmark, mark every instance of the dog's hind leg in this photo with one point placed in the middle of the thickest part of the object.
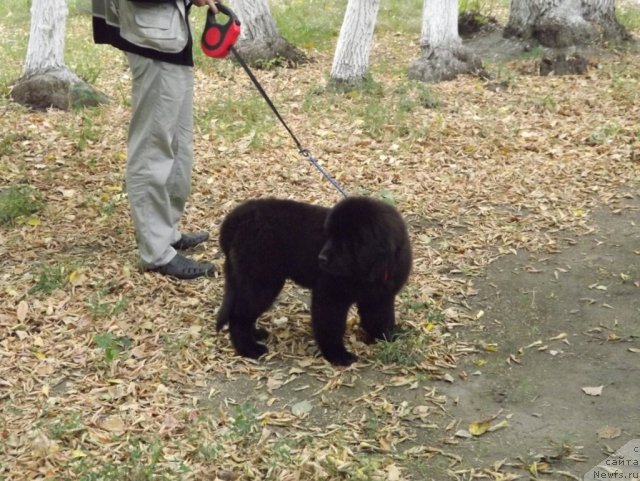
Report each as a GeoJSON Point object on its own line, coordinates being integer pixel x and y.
{"type": "Point", "coordinates": [248, 305]}
{"type": "Point", "coordinates": [229, 300]}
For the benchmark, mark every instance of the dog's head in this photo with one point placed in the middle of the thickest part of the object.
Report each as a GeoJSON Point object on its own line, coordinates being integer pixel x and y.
{"type": "Point", "coordinates": [363, 238]}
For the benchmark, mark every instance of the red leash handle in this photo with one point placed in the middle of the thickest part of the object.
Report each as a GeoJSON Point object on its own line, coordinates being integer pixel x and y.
{"type": "Point", "coordinates": [218, 38]}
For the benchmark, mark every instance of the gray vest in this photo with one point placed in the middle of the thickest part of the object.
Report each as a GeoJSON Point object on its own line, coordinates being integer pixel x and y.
{"type": "Point", "coordinates": [159, 26]}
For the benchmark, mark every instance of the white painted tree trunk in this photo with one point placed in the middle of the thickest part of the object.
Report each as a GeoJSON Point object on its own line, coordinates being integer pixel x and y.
{"type": "Point", "coordinates": [440, 25]}
{"type": "Point", "coordinates": [443, 56]}
{"type": "Point", "coordinates": [256, 19]}
{"type": "Point", "coordinates": [562, 23]}
{"type": "Point", "coordinates": [45, 52]}
{"type": "Point", "coordinates": [46, 82]}
{"type": "Point", "coordinates": [351, 59]}
{"type": "Point", "coordinates": [261, 43]}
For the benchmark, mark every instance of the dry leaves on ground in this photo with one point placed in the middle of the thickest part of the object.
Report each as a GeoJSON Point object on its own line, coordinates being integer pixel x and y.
{"type": "Point", "coordinates": [109, 372]}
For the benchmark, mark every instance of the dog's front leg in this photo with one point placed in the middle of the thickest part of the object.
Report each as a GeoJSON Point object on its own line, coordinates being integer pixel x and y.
{"type": "Point", "coordinates": [329, 309]}
{"type": "Point", "coordinates": [377, 318]}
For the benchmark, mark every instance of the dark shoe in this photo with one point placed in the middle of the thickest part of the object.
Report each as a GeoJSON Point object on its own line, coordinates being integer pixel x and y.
{"type": "Point", "coordinates": [187, 241]}
{"type": "Point", "coordinates": [182, 267]}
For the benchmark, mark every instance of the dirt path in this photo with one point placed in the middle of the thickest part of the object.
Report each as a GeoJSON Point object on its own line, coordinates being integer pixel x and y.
{"type": "Point", "coordinates": [552, 324]}
{"type": "Point", "coordinates": [579, 313]}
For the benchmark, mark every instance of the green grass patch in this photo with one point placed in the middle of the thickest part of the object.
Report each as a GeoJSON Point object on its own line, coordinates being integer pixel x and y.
{"type": "Point", "coordinates": [535, 53]}
{"type": "Point", "coordinates": [311, 24]}
{"type": "Point", "coordinates": [403, 16]}
{"type": "Point", "coordinates": [386, 115]}
{"type": "Point", "coordinates": [85, 131]}
{"type": "Point", "coordinates": [390, 114]}
{"type": "Point", "coordinates": [245, 424]}
{"type": "Point", "coordinates": [15, 11]}
{"type": "Point", "coordinates": [246, 120]}
{"type": "Point", "coordinates": [67, 428]}
{"type": "Point", "coordinates": [484, 7]}
{"type": "Point", "coordinates": [81, 54]}
{"type": "Point", "coordinates": [112, 345]}
{"type": "Point", "coordinates": [604, 134]}
{"type": "Point", "coordinates": [144, 461]}
{"type": "Point", "coordinates": [362, 467]}
{"type": "Point", "coordinates": [629, 16]}
{"type": "Point", "coordinates": [51, 278]}
{"type": "Point", "coordinates": [432, 315]}
{"type": "Point", "coordinates": [101, 309]}
{"type": "Point", "coordinates": [15, 20]}
{"type": "Point", "coordinates": [406, 348]}
{"type": "Point", "coordinates": [19, 201]}
{"type": "Point", "coordinates": [546, 103]}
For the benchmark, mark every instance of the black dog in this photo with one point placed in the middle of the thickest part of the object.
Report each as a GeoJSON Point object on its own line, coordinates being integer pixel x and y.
{"type": "Point", "coordinates": [356, 253]}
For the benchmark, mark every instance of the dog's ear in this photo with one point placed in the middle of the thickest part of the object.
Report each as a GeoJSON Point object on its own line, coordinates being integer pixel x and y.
{"type": "Point", "coordinates": [376, 260]}
{"type": "Point", "coordinates": [379, 270]}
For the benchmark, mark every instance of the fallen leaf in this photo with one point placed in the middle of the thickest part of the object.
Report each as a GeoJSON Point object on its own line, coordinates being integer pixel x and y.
{"type": "Point", "coordinates": [194, 331]}
{"type": "Point", "coordinates": [301, 408]}
{"type": "Point", "coordinates": [559, 337]}
{"type": "Point", "coordinates": [393, 473]}
{"type": "Point", "coordinates": [479, 428]}
{"type": "Point", "coordinates": [609, 432]}
{"type": "Point", "coordinates": [76, 453]}
{"type": "Point", "coordinates": [76, 278]}
{"type": "Point", "coordinates": [490, 347]}
{"type": "Point", "coordinates": [22, 310]}
{"type": "Point", "coordinates": [593, 391]}
{"type": "Point", "coordinates": [500, 425]}
{"type": "Point", "coordinates": [112, 424]}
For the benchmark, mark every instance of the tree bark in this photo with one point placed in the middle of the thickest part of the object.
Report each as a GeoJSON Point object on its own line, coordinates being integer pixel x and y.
{"type": "Point", "coordinates": [261, 44]}
{"type": "Point", "coordinates": [46, 81]}
{"type": "Point", "coordinates": [351, 59]}
{"type": "Point", "coordinates": [564, 23]}
{"type": "Point", "coordinates": [443, 56]}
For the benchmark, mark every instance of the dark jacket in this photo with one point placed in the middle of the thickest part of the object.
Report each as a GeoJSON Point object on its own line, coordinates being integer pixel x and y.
{"type": "Point", "coordinates": [103, 33]}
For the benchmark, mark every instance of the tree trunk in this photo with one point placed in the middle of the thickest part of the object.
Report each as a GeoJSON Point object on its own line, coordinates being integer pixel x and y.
{"type": "Point", "coordinates": [261, 44]}
{"type": "Point", "coordinates": [46, 81]}
{"type": "Point", "coordinates": [351, 60]}
{"type": "Point", "coordinates": [563, 23]}
{"type": "Point", "coordinates": [443, 56]}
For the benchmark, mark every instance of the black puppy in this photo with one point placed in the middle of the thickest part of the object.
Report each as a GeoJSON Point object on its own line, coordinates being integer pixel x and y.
{"type": "Point", "coordinates": [356, 253]}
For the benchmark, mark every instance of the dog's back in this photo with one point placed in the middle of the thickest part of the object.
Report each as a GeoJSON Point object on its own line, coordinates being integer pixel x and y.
{"type": "Point", "coordinates": [275, 236]}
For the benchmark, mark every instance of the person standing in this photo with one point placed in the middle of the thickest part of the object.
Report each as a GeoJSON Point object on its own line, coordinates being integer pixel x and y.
{"type": "Point", "coordinates": [156, 37]}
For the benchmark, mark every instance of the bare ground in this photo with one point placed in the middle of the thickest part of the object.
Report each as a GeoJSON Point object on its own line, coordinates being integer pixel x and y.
{"type": "Point", "coordinates": [561, 323]}
{"type": "Point", "coordinates": [547, 327]}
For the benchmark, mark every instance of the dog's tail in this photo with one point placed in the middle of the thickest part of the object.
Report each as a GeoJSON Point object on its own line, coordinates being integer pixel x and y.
{"type": "Point", "coordinates": [224, 314]}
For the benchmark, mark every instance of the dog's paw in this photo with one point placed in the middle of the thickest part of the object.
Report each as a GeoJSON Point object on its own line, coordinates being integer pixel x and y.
{"type": "Point", "coordinates": [340, 358]}
{"type": "Point", "coordinates": [254, 351]}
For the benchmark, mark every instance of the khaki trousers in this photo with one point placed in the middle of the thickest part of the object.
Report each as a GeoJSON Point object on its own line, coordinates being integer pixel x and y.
{"type": "Point", "coordinates": [159, 154]}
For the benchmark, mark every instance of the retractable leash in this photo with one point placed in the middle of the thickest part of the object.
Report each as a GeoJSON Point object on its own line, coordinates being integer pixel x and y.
{"type": "Point", "coordinates": [217, 41]}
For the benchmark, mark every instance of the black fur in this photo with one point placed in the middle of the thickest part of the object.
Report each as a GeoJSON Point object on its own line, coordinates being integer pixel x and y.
{"type": "Point", "coordinates": [356, 253]}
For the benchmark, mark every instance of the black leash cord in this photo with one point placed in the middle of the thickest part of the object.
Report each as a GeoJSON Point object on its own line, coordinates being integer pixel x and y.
{"type": "Point", "coordinates": [305, 152]}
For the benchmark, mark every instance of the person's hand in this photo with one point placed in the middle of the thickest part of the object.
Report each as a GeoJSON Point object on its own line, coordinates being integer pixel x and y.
{"type": "Point", "coordinates": [204, 3]}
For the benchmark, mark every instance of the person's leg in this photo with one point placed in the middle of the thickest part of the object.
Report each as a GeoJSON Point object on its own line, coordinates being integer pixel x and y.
{"type": "Point", "coordinates": [179, 185]}
{"type": "Point", "coordinates": [156, 97]}
{"type": "Point", "coordinates": [157, 94]}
